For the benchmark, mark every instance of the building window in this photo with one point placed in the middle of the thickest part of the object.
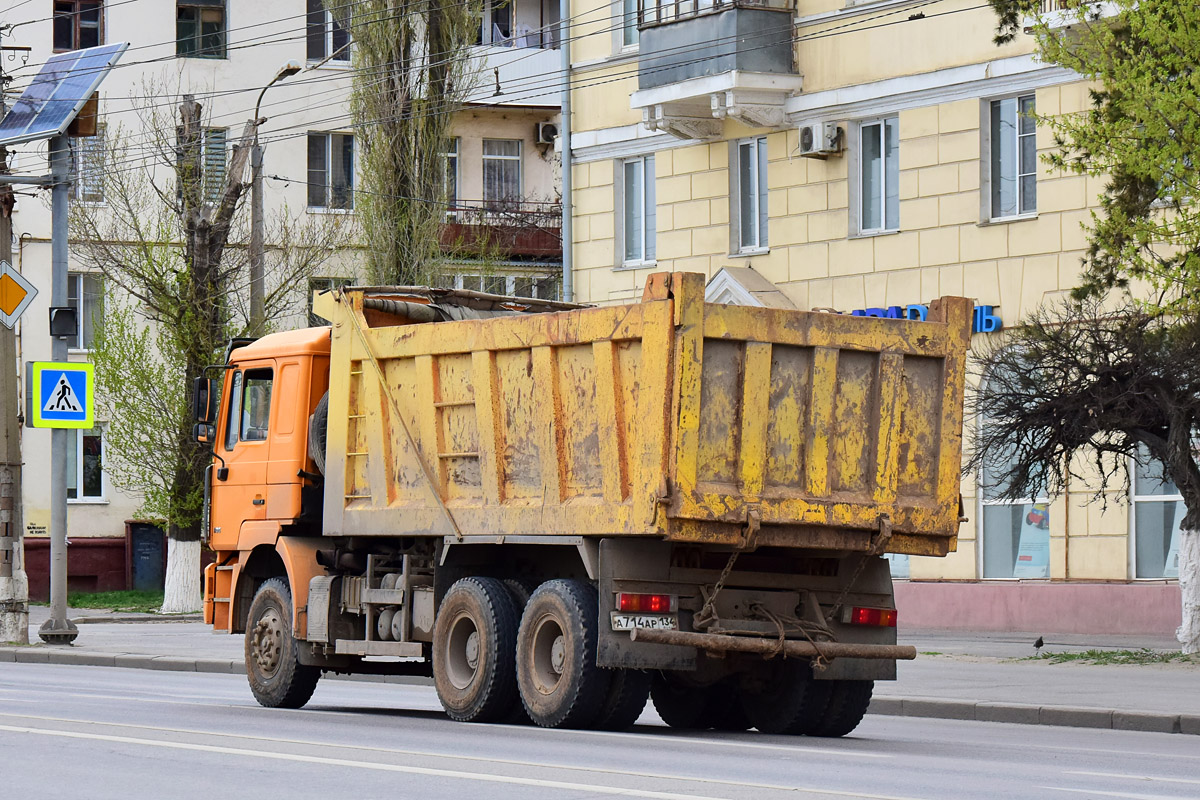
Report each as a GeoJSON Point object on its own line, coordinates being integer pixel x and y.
{"type": "Point", "coordinates": [496, 26]}
{"type": "Point", "coordinates": [321, 285]}
{"type": "Point", "coordinates": [326, 38]}
{"type": "Point", "coordinates": [501, 172]}
{"type": "Point", "coordinates": [879, 164]}
{"type": "Point", "coordinates": [1016, 533]}
{"type": "Point", "coordinates": [751, 193]}
{"type": "Point", "coordinates": [629, 29]}
{"type": "Point", "coordinates": [1157, 512]}
{"type": "Point", "coordinates": [452, 174]}
{"type": "Point", "coordinates": [87, 167]}
{"type": "Point", "coordinates": [200, 28]}
{"type": "Point", "coordinates": [331, 171]}
{"type": "Point", "coordinates": [77, 24]}
{"type": "Point", "coordinates": [85, 464]}
{"type": "Point", "coordinates": [639, 210]}
{"type": "Point", "coordinates": [1014, 157]}
{"type": "Point", "coordinates": [85, 294]}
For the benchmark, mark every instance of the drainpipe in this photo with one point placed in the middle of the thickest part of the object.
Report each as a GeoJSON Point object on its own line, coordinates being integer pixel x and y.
{"type": "Point", "coordinates": [564, 132]}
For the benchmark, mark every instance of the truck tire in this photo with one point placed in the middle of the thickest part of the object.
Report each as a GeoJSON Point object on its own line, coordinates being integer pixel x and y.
{"type": "Point", "coordinates": [277, 678]}
{"type": "Point", "coordinates": [682, 704]}
{"type": "Point", "coordinates": [848, 701]}
{"type": "Point", "coordinates": [474, 636]}
{"type": "Point", "coordinates": [628, 691]}
{"type": "Point", "coordinates": [560, 684]}
{"type": "Point", "coordinates": [789, 703]}
{"type": "Point", "coordinates": [519, 590]}
{"type": "Point", "coordinates": [318, 428]}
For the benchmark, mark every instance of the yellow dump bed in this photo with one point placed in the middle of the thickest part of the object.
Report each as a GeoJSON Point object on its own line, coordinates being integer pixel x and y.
{"type": "Point", "coordinates": [670, 417]}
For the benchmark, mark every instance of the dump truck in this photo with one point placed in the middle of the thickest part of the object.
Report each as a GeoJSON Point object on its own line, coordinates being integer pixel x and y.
{"type": "Point", "coordinates": [558, 512]}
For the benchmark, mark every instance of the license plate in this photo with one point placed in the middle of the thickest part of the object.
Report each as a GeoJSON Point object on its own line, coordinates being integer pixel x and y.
{"type": "Point", "coordinates": [654, 622]}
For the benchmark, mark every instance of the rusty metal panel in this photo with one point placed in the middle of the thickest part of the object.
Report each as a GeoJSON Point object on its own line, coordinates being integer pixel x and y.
{"type": "Point", "coordinates": [669, 417]}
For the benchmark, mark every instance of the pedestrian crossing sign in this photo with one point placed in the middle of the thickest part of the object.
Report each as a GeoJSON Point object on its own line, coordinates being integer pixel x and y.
{"type": "Point", "coordinates": [60, 395]}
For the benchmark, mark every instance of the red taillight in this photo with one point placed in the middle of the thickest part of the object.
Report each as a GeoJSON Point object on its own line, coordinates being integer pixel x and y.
{"type": "Point", "coordinates": [645, 603]}
{"type": "Point", "coordinates": [879, 617]}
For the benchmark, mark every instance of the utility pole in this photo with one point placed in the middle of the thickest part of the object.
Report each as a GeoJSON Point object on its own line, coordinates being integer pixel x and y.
{"type": "Point", "coordinates": [257, 289]}
{"type": "Point", "coordinates": [14, 582]}
{"type": "Point", "coordinates": [58, 629]}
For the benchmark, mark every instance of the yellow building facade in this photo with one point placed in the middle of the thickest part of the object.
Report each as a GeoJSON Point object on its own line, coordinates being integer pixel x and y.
{"type": "Point", "coordinates": [861, 156]}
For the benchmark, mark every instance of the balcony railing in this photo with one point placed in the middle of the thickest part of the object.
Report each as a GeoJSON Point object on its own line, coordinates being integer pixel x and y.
{"type": "Point", "coordinates": [504, 229]}
{"type": "Point", "coordinates": [659, 12]}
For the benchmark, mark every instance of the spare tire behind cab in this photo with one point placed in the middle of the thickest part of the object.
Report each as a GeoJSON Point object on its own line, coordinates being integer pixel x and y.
{"type": "Point", "coordinates": [318, 425]}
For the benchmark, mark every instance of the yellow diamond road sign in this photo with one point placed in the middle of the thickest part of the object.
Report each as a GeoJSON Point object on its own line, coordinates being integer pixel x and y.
{"type": "Point", "coordinates": [16, 294]}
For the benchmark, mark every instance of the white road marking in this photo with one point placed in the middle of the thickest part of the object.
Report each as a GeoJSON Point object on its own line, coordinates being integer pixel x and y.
{"type": "Point", "coordinates": [1097, 793]}
{"type": "Point", "coordinates": [1132, 777]}
{"type": "Point", "coordinates": [411, 770]}
{"type": "Point", "coordinates": [399, 751]}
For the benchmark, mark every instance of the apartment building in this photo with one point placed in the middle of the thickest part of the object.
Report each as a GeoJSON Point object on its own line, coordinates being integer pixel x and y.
{"type": "Point", "coordinates": [503, 219]}
{"type": "Point", "coordinates": [866, 156]}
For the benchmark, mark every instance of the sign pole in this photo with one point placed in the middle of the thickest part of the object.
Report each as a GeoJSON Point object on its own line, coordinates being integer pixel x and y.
{"type": "Point", "coordinates": [58, 629]}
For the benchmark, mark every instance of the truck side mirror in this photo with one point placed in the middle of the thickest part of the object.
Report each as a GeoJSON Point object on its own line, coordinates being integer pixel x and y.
{"type": "Point", "coordinates": [203, 401]}
{"type": "Point", "coordinates": [204, 432]}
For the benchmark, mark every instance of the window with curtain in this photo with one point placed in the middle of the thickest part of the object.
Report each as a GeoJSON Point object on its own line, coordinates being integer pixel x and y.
{"type": "Point", "coordinates": [85, 464]}
{"type": "Point", "coordinates": [879, 168]}
{"type": "Point", "coordinates": [501, 172]}
{"type": "Point", "coordinates": [85, 294]}
{"type": "Point", "coordinates": [87, 167]}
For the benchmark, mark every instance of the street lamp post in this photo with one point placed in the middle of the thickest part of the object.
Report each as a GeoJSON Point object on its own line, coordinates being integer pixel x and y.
{"type": "Point", "coordinates": [257, 311]}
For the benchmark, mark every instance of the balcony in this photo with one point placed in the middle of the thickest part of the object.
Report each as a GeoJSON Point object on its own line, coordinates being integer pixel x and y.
{"type": "Point", "coordinates": [517, 72]}
{"type": "Point", "coordinates": [706, 60]}
{"type": "Point", "coordinates": [504, 230]}
{"type": "Point", "coordinates": [1063, 15]}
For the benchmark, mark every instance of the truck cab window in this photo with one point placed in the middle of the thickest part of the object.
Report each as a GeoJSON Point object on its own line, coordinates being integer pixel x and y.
{"type": "Point", "coordinates": [235, 411]}
{"type": "Point", "coordinates": [256, 405]}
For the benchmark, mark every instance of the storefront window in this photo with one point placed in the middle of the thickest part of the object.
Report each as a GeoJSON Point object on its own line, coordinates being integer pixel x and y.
{"type": "Point", "coordinates": [1157, 512]}
{"type": "Point", "coordinates": [1016, 533]}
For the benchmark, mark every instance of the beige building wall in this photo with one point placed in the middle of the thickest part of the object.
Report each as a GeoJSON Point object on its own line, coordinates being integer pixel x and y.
{"type": "Point", "coordinates": [937, 77]}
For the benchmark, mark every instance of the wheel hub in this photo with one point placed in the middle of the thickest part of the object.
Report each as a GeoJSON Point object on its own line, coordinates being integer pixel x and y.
{"type": "Point", "coordinates": [558, 655]}
{"type": "Point", "coordinates": [266, 643]}
{"type": "Point", "coordinates": [473, 650]}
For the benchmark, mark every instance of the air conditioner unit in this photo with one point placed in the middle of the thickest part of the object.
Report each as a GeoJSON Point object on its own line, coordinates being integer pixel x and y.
{"type": "Point", "coordinates": [546, 132]}
{"type": "Point", "coordinates": [820, 139]}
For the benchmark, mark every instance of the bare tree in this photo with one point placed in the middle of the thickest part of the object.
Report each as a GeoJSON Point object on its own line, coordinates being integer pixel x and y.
{"type": "Point", "coordinates": [171, 244]}
{"type": "Point", "coordinates": [1110, 385]}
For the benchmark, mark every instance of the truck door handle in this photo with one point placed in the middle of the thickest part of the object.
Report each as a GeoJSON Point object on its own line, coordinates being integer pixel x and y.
{"type": "Point", "coordinates": [258, 501]}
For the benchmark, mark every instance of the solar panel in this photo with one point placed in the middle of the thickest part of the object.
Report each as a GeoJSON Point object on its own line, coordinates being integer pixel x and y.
{"type": "Point", "coordinates": [58, 93]}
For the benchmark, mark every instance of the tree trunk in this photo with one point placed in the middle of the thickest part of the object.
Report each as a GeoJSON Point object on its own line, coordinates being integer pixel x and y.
{"type": "Point", "coordinates": [1189, 587]}
{"type": "Point", "coordinates": [183, 575]}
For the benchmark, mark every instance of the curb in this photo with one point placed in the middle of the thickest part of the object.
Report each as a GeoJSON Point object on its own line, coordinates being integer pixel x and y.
{"type": "Point", "coordinates": [890, 706]}
{"type": "Point", "coordinates": [1061, 716]}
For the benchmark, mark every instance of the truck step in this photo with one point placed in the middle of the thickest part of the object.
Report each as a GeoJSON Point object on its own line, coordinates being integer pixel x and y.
{"type": "Point", "coordinates": [355, 647]}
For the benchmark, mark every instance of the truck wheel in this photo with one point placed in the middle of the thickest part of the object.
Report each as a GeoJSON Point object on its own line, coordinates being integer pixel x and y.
{"type": "Point", "coordinates": [519, 590]}
{"type": "Point", "coordinates": [788, 703]}
{"type": "Point", "coordinates": [277, 678]}
{"type": "Point", "coordinates": [561, 686]}
{"type": "Point", "coordinates": [724, 711]}
{"type": "Point", "coordinates": [628, 691]}
{"type": "Point", "coordinates": [318, 428]}
{"type": "Point", "coordinates": [848, 701]}
{"type": "Point", "coordinates": [680, 703]}
{"type": "Point", "coordinates": [473, 640]}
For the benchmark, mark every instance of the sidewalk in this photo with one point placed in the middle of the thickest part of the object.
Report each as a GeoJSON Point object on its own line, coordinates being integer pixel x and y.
{"type": "Point", "coordinates": [960, 675]}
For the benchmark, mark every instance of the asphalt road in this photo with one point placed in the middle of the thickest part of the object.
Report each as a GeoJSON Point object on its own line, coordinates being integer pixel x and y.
{"type": "Point", "coordinates": [87, 732]}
